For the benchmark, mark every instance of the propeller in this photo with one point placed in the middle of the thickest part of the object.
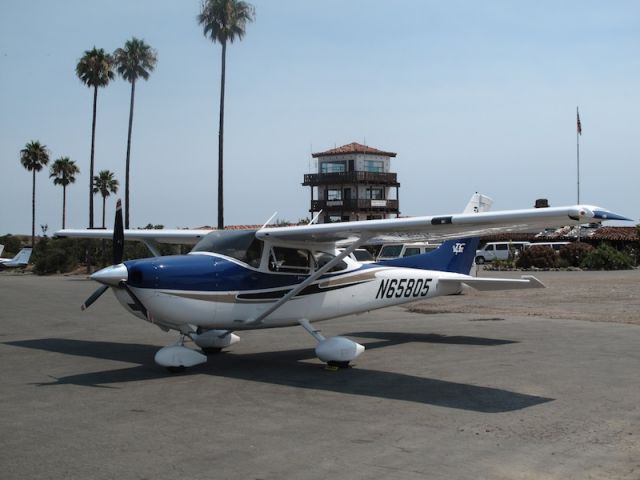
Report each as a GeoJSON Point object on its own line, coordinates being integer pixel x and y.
{"type": "Point", "coordinates": [94, 296]}
{"type": "Point", "coordinates": [118, 250]}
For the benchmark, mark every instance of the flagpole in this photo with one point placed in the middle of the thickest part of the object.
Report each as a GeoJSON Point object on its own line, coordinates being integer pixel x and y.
{"type": "Point", "coordinates": [578, 131]}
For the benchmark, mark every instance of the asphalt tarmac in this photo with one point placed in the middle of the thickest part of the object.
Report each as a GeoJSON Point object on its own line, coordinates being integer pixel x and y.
{"type": "Point", "coordinates": [438, 396]}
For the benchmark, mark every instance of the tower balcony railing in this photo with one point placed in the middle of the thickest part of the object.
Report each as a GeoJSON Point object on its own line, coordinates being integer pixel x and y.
{"type": "Point", "coordinates": [354, 204]}
{"type": "Point", "coordinates": [350, 177]}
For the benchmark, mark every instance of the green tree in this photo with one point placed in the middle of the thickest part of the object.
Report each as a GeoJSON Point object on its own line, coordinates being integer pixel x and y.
{"type": "Point", "coordinates": [105, 184]}
{"type": "Point", "coordinates": [136, 60]}
{"type": "Point", "coordinates": [63, 172]}
{"type": "Point", "coordinates": [223, 21]}
{"type": "Point", "coordinates": [94, 69]}
{"type": "Point", "coordinates": [33, 157]}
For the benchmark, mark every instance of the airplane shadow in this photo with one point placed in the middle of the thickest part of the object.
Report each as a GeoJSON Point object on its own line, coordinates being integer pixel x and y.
{"type": "Point", "coordinates": [289, 368]}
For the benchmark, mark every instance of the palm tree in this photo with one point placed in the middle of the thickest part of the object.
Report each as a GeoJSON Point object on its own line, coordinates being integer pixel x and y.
{"type": "Point", "coordinates": [33, 157]}
{"type": "Point", "coordinates": [135, 60]}
{"type": "Point", "coordinates": [63, 172]}
{"type": "Point", "coordinates": [94, 69]}
{"type": "Point", "coordinates": [105, 184]}
{"type": "Point", "coordinates": [223, 21]}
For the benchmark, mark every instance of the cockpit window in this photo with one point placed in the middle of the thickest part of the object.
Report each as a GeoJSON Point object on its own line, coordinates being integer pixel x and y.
{"type": "Point", "coordinates": [241, 245]}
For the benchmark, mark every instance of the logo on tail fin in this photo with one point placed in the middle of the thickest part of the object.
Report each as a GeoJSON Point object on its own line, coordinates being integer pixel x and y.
{"type": "Point", "coordinates": [458, 248]}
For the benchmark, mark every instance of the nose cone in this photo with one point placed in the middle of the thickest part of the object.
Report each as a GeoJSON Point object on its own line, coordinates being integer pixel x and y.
{"type": "Point", "coordinates": [112, 275]}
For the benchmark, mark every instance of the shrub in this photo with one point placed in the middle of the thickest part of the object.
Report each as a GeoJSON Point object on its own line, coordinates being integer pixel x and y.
{"type": "Point", "coordinates": [633, 251]}
{"type": "Point", "coordinates": [605, 257]}
{"type": "Point", "coordinates": [12, 244]}
{"type": "Point", "coordinates": [574, 253]}
{"type": "Point", "coordinates": [53, 256]}
{"type": "Point", "coordinates": [537, 256]}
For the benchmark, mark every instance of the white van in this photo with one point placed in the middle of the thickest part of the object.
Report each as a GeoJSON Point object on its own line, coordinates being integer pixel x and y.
{"type": "Point", "coordinates": [499, 251]}
{"type": "Point", "coordinates": [390, 251]}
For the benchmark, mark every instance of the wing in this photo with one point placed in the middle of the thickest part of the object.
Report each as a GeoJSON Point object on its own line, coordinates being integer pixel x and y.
{"type": "Point", "coordinates": [180, 237]}
{"type": "Point", "coordinates": [440, 227]}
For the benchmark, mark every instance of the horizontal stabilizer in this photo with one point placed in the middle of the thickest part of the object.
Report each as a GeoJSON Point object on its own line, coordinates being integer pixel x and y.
{"type": "Point", "coordinates": [489, 284]}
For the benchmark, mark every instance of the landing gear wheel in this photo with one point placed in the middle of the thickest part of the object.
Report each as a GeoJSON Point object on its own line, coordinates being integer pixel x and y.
{"type": "Point", "coordinates": [211, 350]}
{"type": "Point", "coordinates": [179, 369]}
{"type": "Point", "coordinates": [338, 365]}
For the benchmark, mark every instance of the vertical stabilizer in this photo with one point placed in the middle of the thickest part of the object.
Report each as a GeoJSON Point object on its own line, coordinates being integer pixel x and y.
{"type": "Point", "coordinates": [455, 256]}
{"type": "Point", "coordinates": [478, 203]}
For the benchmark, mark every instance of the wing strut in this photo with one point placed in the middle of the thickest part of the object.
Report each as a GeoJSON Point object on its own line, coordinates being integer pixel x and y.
{"type": "Point", "coordinates": [312, 278]}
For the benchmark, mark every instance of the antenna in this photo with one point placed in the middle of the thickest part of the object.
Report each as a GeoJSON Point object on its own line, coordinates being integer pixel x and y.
{"type": "Point", "coordinates": [270, 218]}
{"type": "Point", "coordinates": [315, 218]}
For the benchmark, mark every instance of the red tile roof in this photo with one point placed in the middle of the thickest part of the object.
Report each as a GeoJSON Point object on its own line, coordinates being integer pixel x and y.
{"type": "Point", "coordinates": [629, 234]}
{"type": "Point", "coordinates": [353, 148]}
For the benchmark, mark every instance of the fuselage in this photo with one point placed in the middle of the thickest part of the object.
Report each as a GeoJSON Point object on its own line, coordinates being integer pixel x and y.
{"type": "Point", "coordinates": [213, 291]}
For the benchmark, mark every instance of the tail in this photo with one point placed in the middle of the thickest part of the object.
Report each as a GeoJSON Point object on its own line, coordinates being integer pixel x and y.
{"type": "Point", "coordinates": [456, 256]}
{"type": "Point", "coordinates": [22, 258]}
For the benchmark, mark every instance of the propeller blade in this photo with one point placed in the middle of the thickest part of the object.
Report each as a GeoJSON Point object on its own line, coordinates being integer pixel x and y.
{"type": "Point", "coordinates": [135, 299]}
{"type": "Point", "coordinates": [94, 296]}
{"type": "Point", "coordinates": [118, 235]}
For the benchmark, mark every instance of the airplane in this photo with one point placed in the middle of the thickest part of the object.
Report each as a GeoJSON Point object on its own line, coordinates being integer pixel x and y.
{"type": "Point", "coordinates": [20, 260]}
{"type": "Point", "coordinates": [235, 280]}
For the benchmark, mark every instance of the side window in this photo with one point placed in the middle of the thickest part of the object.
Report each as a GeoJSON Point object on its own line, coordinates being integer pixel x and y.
{"type": "Point", "coordinates": [502, 246]}
{"type": "Point", "coordinates": [409, 251]}
{"type": "Point", "coordinates": [289, 260]}
{"type": "Point", "coordinates": [489, 248]}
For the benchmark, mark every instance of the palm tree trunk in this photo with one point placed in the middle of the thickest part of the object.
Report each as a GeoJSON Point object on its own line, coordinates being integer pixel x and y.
{"type": "Point", "coordinates": [104, 201]}
{"type": "Point", "coordinates": [93, 139]}
{"type": "Point", "coordinates": [64, 204]}
{"type": "Point", "coordinates": [33, 211]}
{"type": "Point", "coordinates": [126, 180]}
{"type": "Point", "coordinates": [220, 141]}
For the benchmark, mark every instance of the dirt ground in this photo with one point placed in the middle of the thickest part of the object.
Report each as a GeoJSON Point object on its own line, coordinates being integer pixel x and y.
{"type": "Point", "coordinates": [593, 296]}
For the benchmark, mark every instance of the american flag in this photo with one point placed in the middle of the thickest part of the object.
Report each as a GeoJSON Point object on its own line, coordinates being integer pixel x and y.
{"type": "Point", "coordinates": [578, 124]}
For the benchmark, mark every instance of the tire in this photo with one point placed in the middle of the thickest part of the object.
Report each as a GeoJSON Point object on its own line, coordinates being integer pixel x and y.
{"type": "Point", "coordinates": [211, 350]}
{"type": "Point", "coordinates": [480, 260]}
{"type": "Point", "coordinates": [179, 369]}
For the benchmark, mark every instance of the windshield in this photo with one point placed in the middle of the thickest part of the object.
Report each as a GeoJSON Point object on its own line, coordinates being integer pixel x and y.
{"type": "Point", "coordinates": [239, 244]}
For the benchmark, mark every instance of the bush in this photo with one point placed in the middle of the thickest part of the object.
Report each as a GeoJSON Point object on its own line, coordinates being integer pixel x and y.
{"type": "Point", "coordinates": [54, 256]}
{"type": "Point", "coordinates": [574, 253]}
{"type": "Point", "coordinates": [12, 245]}
{"type": "Point", "coordinates": [537, 256]}
{"type": "Point", "coordinates": [605, 257]}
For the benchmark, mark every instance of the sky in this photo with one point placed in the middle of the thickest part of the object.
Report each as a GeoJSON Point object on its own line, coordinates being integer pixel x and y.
{"type": "Point", "coordinates": [472, 95]}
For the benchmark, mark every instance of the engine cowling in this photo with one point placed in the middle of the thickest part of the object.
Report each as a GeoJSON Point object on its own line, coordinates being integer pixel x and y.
{"type": "Point", "coordinates": [338, 349]}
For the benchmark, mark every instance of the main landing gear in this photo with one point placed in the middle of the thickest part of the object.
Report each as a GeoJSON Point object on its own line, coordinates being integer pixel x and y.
{"type": "Point", "coordinates": [177, 357]}
{"type": "Point", "coordinates": [337, 352]}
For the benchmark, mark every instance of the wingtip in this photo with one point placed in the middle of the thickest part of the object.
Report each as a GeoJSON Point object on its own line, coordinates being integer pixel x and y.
{"type": "Point", "coordinates": [603, 215]}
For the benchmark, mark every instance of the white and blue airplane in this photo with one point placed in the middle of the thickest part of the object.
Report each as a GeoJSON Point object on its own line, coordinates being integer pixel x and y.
{"type": "Point", "coordinates": [294, 276]}
{"type": "Point", "coordinates": [20, 260]}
